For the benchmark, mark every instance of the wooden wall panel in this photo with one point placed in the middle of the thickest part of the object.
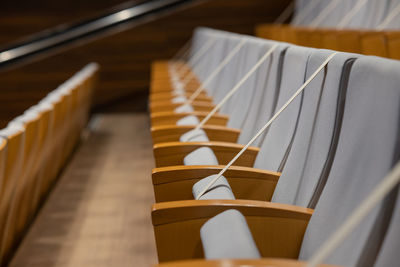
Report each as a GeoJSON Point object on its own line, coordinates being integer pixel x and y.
{"type": "Point", "coordinates": [125, 56]}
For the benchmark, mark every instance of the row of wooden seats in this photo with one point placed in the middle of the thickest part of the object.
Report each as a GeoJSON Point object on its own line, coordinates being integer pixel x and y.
{"type": "Point", "coordinates": [177, 218]}
{"type": "Point", "coordinates": [361, 41]}
{"type": "Point", "coordinates": [34, 148]}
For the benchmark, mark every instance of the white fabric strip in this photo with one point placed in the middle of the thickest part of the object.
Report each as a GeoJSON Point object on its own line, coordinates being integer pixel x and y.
{"type": "Point", "coordinates": [384, 187]}
{"type": "Point", "coordinates": [347, 18]}
{"type": "Point", "coordinates": [233, 90]}
{"type": "Point", "coordinates": [324, 13]}
{"type": "Point", "coordinates": [305, 11]}
{"type": "Point", "coordinates": [395, 12]}
{"type": "Point", "coordinates": [216, 71]}
{"type": "Point", "coordinates": [267, 124]}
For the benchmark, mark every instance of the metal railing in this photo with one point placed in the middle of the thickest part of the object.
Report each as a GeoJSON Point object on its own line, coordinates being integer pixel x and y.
{"type": "Point", "coordinates": [75, 32]}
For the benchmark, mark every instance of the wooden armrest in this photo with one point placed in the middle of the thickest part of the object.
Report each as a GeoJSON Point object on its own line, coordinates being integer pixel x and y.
{"type": "Point", "coordinates": [197, 106]}
{"type": "Point", "coordinates": [349, 41]}
{"type": "Point", "coordinates": [277, 229]}
{"type": "Point", "coordinates": [166, 86]}
{"type": "Point", "coordinates": [172, 153]}
{"type": "Point", "coordinates": [169, 117]}
{"type": "Point", "coordinates": [330, 40]}
{"type": "Point", "coordinates": [264, 262]}
{"type": "Point", "coordinates": [172, 133]}
{"type": "Point", "coordinates": [393, 44]}
{"type": "Point", "coordinates": [176, 182]}
{"type": "Point", "coordinates": [374, 43]}
{"type": "Point", "coordinates": [168, 96]}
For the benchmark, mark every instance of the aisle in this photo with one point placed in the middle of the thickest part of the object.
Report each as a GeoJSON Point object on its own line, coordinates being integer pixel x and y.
{"type": "Point", "coordinates": [99, 212]}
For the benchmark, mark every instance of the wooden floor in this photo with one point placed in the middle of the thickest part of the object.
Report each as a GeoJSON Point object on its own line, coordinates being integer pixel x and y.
{"type": "Point", "coordinates": [99, 212]}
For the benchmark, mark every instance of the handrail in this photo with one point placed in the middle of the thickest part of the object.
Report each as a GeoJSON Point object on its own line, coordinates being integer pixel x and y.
{"type": "Point", "coordinates": [74, 32]}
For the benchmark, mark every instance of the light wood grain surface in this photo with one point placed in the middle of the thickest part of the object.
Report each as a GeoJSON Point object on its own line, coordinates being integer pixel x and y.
{"type": "Point", "coordinates": [99, 212]}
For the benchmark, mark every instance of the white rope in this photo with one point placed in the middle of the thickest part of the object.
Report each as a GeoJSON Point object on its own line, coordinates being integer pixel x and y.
{"type": "Point", "coordinates": [179, 57]}
{"type": "Point", "coordinates": [267, 124]}
{"type": "Point", "coordinates": [324, 13]}
{"type": "Point", "coordinates": [182, 71]}
{"type": "Point", "coordinates": [198, 55]}
{"type": "Point", "coordinates": [346, 19]}
{"type": "Point", "coordinates": [182, 52]}
{"type": "Point", "coordinates": [224, 62]}
{"type": "Point", "coordinates": [380, 191]}
{"type": "Point", "coordinates": [196, 61]}
{"type": "Point", "coordinates": [395, 12]}
{"type": "Point", "coordinates": [304, 12]}
{"type": "Point", "coordinates": [285, 14]}
{"type": "Point", "coordinates": [232, 91]}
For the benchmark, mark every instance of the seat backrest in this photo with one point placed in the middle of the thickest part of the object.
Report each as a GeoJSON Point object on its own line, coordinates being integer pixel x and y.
{"type": "Point", "coordinates": [389, 252]}
{"type": "Point", "coordinates": [394, 22]}
{"type": "Point", "coordinates": [238, 105]}
{"type": "Point", "coordinates": [214, 55]}
{"type": "Point", "coordinates": [307, 14]}
{"type": "Point", "coordinates": [334, 17]}
{"type": "Point", "coordinates": [365, 153]}
{"type": "Point", "coordinates": [230, 75]}
{"type": "Point", "coordinates": [223, 81]}
{"type": "Point", "coordinates": [276, 141]}
{"type": "Point", "coordinates": [264, 96]}
{"type": "Point", "coordinates": [314, 144]}
{"type": "Point", "coordinates": [370, 15]}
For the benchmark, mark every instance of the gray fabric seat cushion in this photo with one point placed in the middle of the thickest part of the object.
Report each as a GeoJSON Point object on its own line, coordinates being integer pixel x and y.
{"type": "Point", "coordinates": [227, 236]}
{"type": "Point", "coordinates": [198, 136]}
{"type": "Point", "coordinates": [188, 120]}
{"type": "Point", "coordinates": [184, 108]}
{"type": "Point", "coordinates": [201, 156]}
{"type": "Point", "coordinates": [179, 99]}
{"type": "Point", "coordinates": [219, 190]}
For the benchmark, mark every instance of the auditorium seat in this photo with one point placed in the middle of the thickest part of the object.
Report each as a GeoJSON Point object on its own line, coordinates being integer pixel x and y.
{"type": "Point", "coordinates": [354, 172]}
{"type": "Point", "coordinates": [36, 146]}
{"type": "Point", "coordinates": [14, 159]}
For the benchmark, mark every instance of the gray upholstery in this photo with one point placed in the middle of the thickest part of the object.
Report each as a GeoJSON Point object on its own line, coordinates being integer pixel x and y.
{"type": "Point", "coordinates": [201, 156]}
{"type": "Point", "coordinates": [184, 108]}
{"type": "Point", "coordinates": [278, 137]}
{"type": "Point", "coordinates": [389, 253]}
{"type": "Point", "coordinates": [237, 106]}
{"type": "Point", "coordinates": [219, 190]}
{"type": "Point", "coordinates": [370, 15]}
{"type": "Point", "coordinates": [394, 23]}
{"type": "Point", "coordinates": [336, 15]}
{"type": "Point", "coordinates": [235, 241]}
{"type": "Point", "coordinates": [312, 143]}
{"type": "Point", "coordinates": [188, 120]}
{"type": "Point", "coordinates": [265, 92]}
{"type": "Point", "coordinates": [364, 155]}
{"type": "Point", "coordinates": [179, 99]}
{"type": "Point", "coordinates": [198, 136]}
